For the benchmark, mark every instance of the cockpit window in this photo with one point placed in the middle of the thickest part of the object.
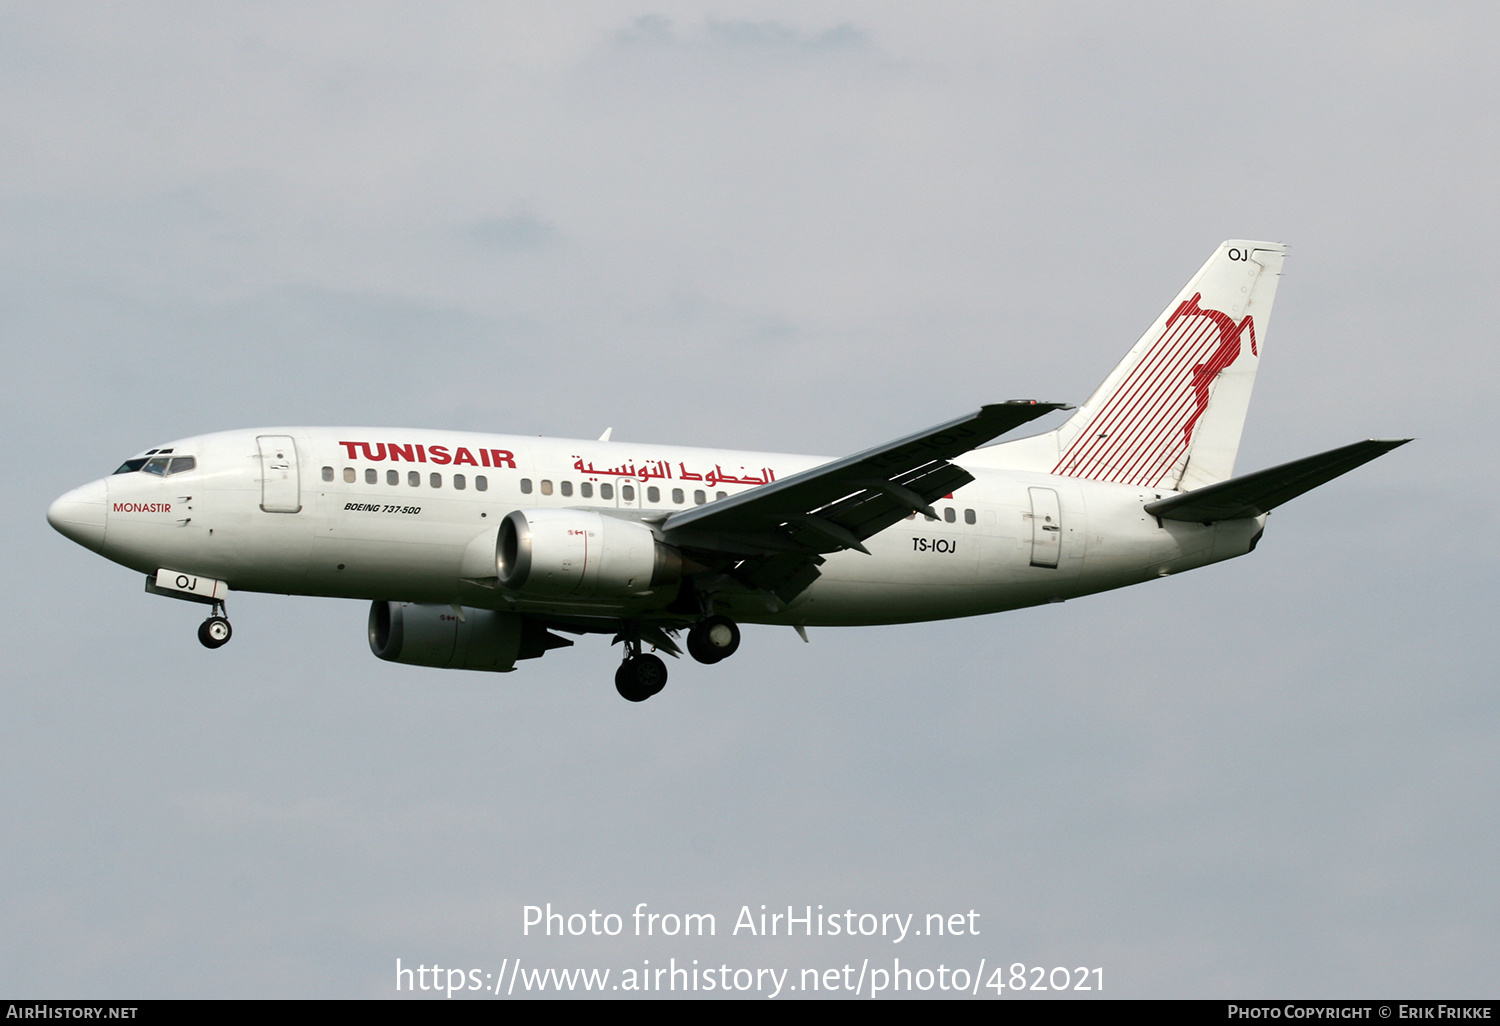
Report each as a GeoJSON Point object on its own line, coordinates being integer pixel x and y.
{"type": "Point", "coordinates": [159, 464]}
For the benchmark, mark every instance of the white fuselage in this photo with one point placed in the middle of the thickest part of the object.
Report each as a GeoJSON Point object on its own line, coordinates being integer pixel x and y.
{"type": "Point", "coordinates": [377, 513]}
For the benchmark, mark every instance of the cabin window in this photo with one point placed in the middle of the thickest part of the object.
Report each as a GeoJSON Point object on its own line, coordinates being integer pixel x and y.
{"type": "Point", "coordinates": [627, 493]}
{"type": "Point", "coordinates": [525, 486]}
{"type": "Point", "coordinates": [699, 498]}
{"type": "Point", "coordinates": [413, 478]}
{"type": "Point", "coordinates": [606, 491]}
{"type": "Point", "coordinates": [459, 482]}
{"type": "Point", "coordinates": [950, 514]}
{"type": "Point", "coordinates": [677, 496]}
{"type": "Point", "coordinates": [392, 477]}
{"type": "Point", "coordinates": [969, 517]}
{"type": "Point", "coordinates": [721, 495]}
{"type": "Point", "coordinates": [546, 487]}
{"type": "Point", "coordinates": [586, 490]}
{"type": "Point", "coordinates": [566, 487]}
{"type": "Point", "coordinates": [436, 480]}
{"type": "Point", "coordinates": [327, 473]}
{"type": "Point", "coordinates": [370, 476]}
{"type": "Point", "coordinates": [653, 494]}
{"type": "Point", "coordinates": [348, 475]}
{"type": "Point", "coordinates": [481, 483]}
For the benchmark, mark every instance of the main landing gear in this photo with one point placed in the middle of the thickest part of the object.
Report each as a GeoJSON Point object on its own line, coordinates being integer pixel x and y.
{"type": "Point", "coordinates": [713, 638]}
{"type": "Point", "coordinates": [640, 676]}
{"type": "Point", "coordinates": [215, 631]}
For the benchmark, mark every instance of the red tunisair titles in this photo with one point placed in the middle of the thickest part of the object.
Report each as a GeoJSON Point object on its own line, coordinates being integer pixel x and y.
{"type": "Point", "coordinates": [443, 455]}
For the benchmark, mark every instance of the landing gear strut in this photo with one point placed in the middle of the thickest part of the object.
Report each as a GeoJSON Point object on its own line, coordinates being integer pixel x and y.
{"type": "Point", "coordinates": [215, 631]}
{"type": "Point", "coordinates": [713, 638]}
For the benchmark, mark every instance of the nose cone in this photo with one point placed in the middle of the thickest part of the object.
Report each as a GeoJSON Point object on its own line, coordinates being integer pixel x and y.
{"type": "Point", "coordinates": [79, 514]}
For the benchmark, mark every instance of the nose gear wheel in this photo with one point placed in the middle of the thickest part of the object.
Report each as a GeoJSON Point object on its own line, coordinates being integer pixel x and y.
{"type": "Point", "coordinates": [215, 632]}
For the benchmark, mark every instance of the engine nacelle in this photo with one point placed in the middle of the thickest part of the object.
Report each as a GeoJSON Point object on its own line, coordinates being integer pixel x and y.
{"type": "Point", "coordinates": [480, 639]}
{"type": "Point", "coordinates": [575, 553]}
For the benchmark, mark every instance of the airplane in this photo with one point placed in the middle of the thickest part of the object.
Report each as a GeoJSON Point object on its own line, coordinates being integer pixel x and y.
{"type": "Point", "coordinates": [477, 551]}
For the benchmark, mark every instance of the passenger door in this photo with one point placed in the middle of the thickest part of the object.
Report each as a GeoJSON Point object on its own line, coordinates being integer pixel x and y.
{"type": "Point", "coordinates": [280, 487]}
{"type": "Point", "coordinates": [1046, 528]}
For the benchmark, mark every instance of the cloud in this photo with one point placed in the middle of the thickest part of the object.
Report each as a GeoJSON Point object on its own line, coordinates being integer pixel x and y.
{"type": "Point", "coordinates": [518, 231]}
{"type": "Point", "coordinates": [772, 39]}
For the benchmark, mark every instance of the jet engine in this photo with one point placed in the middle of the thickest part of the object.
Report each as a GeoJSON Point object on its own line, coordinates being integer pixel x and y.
{"type": "Point", "coordinates": [574, 553]}
{"type": "Point", "coordinates": [463, 639]}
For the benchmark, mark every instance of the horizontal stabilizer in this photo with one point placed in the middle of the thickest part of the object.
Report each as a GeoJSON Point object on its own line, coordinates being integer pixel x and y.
{"type": "Point", "coordinates": [1264, 490]}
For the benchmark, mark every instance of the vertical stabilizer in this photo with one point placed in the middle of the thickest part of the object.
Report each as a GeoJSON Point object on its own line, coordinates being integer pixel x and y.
{"type": "Point", "coordinates": [1170, 415]}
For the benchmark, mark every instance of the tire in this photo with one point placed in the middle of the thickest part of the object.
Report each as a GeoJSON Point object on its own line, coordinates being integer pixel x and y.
{"type": "Point", "coordinates": [639, 678]}
{"type": "Point", "coordinates": [718, 635]}
{"type": "Point", "coordinates": [626, 686]}
{"type": "Point", "coordinates": [215, 632]}
{"type": "Point", "coordinates": [699, 650]}
{"type": "Point", "coordinates": [650, 673]}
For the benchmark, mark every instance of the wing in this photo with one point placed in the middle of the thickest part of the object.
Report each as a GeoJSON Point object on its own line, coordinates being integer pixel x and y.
{"type": "Point", "coordinates": [777, 533]}
{"type": "Point", "coordinates": [1264, 490]}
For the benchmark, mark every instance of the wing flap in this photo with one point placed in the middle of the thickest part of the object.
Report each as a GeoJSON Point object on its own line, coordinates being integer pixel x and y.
{"type": "Point", "coordinates": [872, 509]}
{"type": "Point", "coordinates": [783, 576]}
{"type": "Point", "coordinates": [1264, 490]}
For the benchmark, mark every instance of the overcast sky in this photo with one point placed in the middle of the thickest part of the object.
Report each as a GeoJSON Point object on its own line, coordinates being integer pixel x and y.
{"type": "Point", "coordinates": [804, 227]}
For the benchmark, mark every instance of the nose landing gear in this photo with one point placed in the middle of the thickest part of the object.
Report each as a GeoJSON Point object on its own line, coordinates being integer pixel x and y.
{"type": "Point", "coordinates": [215, 631]}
